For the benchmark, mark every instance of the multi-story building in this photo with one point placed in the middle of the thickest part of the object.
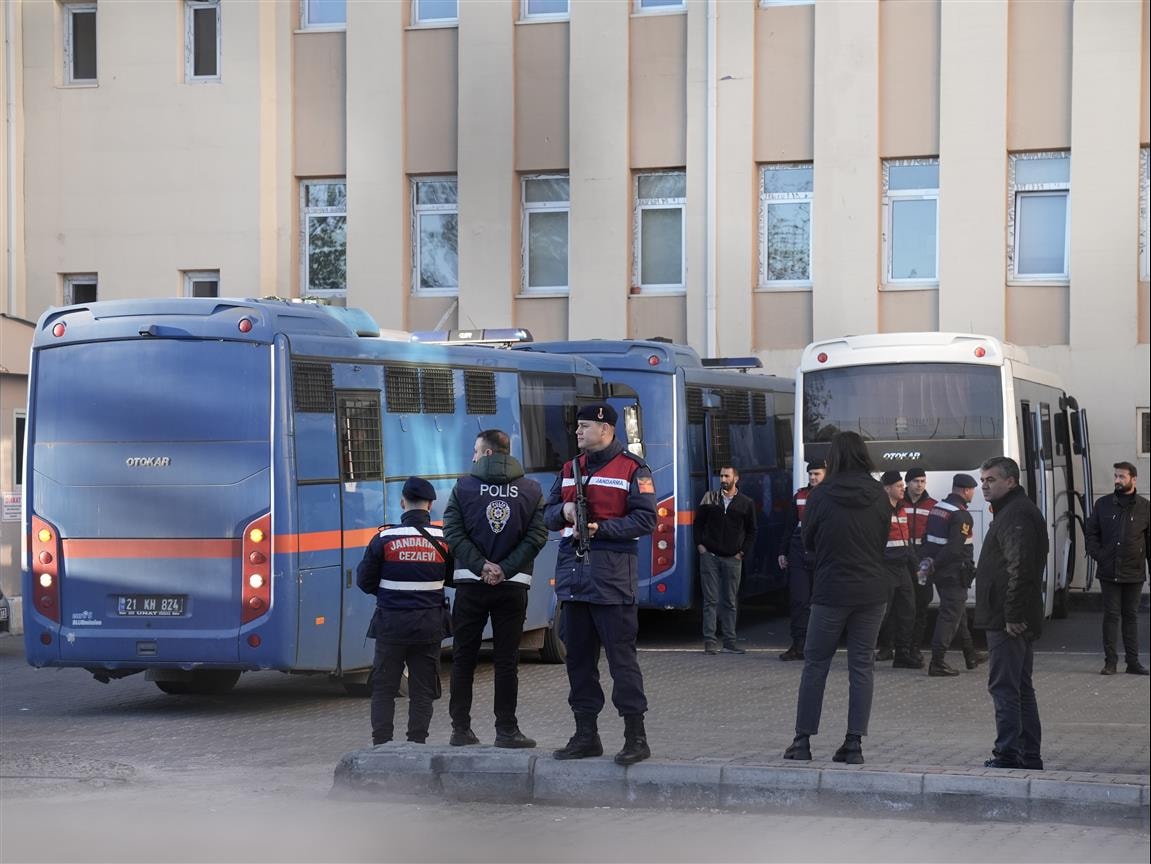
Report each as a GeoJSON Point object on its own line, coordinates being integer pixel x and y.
{"type": "Point", "coordinates": [742, 175]}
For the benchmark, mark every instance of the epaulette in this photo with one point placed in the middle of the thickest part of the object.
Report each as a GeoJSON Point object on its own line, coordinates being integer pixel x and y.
{"type": "Point", "coordinates": [634, 458]}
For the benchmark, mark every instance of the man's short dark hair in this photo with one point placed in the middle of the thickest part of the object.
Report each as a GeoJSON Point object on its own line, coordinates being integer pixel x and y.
{"type": "Point", "coordinates": [734, 470]}
{"type": "Point", "coordinates": [1126, 466]}
{"type": "Point", "coordinates": [1005, 465]}
{"type": "Point", "coordinates": [496, 440]}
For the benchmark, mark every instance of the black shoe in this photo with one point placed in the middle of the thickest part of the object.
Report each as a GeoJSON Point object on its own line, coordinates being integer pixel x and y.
{"type": "Point", "coordinates": [940, 669]}
{"type": "Point", "coordinates": [799, 749]}
{"type": "Point", "coordinates": [710, 648]}
{"type": "Point", "coordinates": [734, 649]}
{"type": "Point", "coordinates": [851, 752]}
{"type": "Point", "coordinates": [973, 659]}
{"type": "Point", "coordinates": [463, 737]}
{"type": "Point", "coordinates": [584, 743]}
{"type": "Point", "coordinates": [635, 747]}
{"type": "Point", "coordinates": [1137, 668]}
{"type": "Point", "coordinates": [1110, 668]}
{"type": "Point", "coordinates": [514, 740]}
{"type": "Point", "coordinates": [883, 655]}
{"type": "Point", "coordinates": [1032, 763]}
{"type": "Point", "coordinates": [917, 656]}
{"type": "Point", "coordinates": [415, 740]}
{"type": "Point", "coordinates": [907, 661]}
{"type": "Point", "coordinates": [1002, 762]}
{"type": "Point", "coordinates": [376, 742]}
{"type": "Point", "coordinates": [792, 653]}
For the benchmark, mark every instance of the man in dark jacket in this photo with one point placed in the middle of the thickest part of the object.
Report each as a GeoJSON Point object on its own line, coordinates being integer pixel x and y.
{"type": "Point", "coordinates": [404, 567]}
{"type": "Point", "coordinates": [494, 524]}
{"type": "Point", "coordinates": [794, 559]}
{"type": "Point", "coordinates": [599, 590]}
{"type": "Point", "coordinates": [1119, 539]}
{"type": "Point", "coordinates": [1009, 606]}
{"type": "Point", "coordinates": [725, 536]}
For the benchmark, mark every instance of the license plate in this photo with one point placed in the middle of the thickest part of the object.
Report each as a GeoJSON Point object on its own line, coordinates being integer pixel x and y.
{"type": "Point", "coordinates": [150, 605]}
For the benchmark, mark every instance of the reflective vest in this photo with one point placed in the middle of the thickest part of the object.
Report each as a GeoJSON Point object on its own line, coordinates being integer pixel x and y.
{"type": "Point", "coordinates": [607, 490]}
{"type": "Point", "coordinates": [800, 500]}
{"type": "Point", "coordinates": [412, 570]}
{"type": "Point", "coordinates": [898, 540]}
{"type": "Point", "coordinates": [917, 515]}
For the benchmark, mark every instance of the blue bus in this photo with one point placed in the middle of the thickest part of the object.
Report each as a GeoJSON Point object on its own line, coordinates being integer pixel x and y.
{"type": "Point", "coordinates": [204, 474]}
{"type": "Point", "coordinates": [688, 418]}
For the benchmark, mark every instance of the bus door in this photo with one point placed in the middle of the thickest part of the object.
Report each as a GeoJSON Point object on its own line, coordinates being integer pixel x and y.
{"type": "Point", "coordinates": [1037, 474]}
{"type": "Point", "coordinates": [359, 434]}
{"type": "Point", "coordinates": [1081, 447]}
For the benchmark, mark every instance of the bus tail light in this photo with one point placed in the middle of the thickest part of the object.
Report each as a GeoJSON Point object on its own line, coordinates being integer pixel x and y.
{"type": "Point", "coordinates": [45, 546]}
{"type": "Point", "coordinates": [663, 540]}
{"type": "Point", "coordinates": [256, 567]}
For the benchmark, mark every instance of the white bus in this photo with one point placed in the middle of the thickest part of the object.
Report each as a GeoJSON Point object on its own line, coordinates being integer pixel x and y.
{"type": "Point", "coordinates": [945, 402]}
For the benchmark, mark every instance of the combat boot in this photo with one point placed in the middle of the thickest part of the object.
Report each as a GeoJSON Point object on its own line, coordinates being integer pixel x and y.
{"type": "Point", "coordinates": [974, 658]}
{"type": "Point", "coordinates": [635, 747]}
{"type": "Point", "coordinates": [906, 660]}
{"type": "Point", "coordinates": [584, 743]}
{"type": "Point", "coordinates": [938, 667]}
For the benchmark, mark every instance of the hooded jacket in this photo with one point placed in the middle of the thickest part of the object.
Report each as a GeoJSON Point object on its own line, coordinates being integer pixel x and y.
{"type": "Point", "coordinates": [1009, 578]}
{"type": "Point", "coordinates": [845, 529]}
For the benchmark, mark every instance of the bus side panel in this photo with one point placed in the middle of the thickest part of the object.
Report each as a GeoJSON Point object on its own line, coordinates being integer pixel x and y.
{"type": "Point", "coordinates": [318, 592]}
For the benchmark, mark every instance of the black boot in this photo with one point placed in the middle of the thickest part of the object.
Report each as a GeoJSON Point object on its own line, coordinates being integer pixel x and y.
{"type": "Point", "coordinates": [973, 659]}
{"type": "Point", "coordinates": [939, 667]}
{"type": "Point", "coordinates": [851, 752]}
{"type": "Point", "coordinates": [799, 749]}
{"type": "Point", "coordinates": [883, 655]}
{"type": "Point", "coordinates": [906, 660]}
{"type": "Point", "coordinates": [585, 742]}
{"type": "Point", "coordinates": [635, 747]}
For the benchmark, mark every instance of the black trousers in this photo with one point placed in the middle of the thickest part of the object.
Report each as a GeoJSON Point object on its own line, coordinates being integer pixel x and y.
{"type": "Point", "coordinates": [507, 605]}
{"type": "Point", "coordinates": [952, 616]}
{"type": "Point", "coordinates": [799, 569]}
{"type": "Point", "coordinates": [1018, 731]}
{"type": "Point", "coordinates": [586, 628]}
{"type": "Point", "coordinates": [900, 621]}
{"type": "Point", "coordinates": [423, 662]}
{"type": "Point", "coordinates": [1121, 602]}
{"type": "Point", "coordinates": [924, 594]}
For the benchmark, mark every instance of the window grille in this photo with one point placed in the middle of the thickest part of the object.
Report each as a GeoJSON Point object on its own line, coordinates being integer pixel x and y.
{"type": "Point", "coordinates": [361, 449]}
{"type": "Point", "coordinates": [403, 389]}
{"type": "Point", "coordinates": [694, 405]}
{"type": "Point", "coordinates": [735, 408]}
{"type": "Point", "coordinates": [759, 409]}
{"type": "Point", "coordinates": [480, 391]}
{"type": "Point", "coordinates": [439, 390]}
{"type": "Point", "coordinates": [312, 387]}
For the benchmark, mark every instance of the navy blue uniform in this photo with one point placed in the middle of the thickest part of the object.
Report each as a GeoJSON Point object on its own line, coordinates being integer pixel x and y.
{"type": "Point", "coordinates": [951, 545]}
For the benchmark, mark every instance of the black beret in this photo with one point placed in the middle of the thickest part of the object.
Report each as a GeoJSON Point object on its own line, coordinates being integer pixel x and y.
{"type": "Point", "coordinates": [963, 481]}
{"type": "Point", "coordinates": [913, 473]}
{"type": "Point", "coordinates": [418, 489]}
{"type": "Point", "coordinates": [599, 412]}
{"type": "Point", "coordinates": [816, 465]}
{"type": "Point", "coordinates": [890, 477]}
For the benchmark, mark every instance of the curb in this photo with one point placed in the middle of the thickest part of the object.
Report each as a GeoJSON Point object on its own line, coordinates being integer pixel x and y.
{"type": "Point", "coordinates": [519, 777]}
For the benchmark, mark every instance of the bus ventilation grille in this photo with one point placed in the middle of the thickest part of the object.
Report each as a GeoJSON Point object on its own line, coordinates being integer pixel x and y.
{"type": "Point", "coordinates": [312, 389]}
{"type": "Point", "coordinates": [480, 391]}
{"type": "Point", "coordinates": [759, 409]}
{"type": "Point", "coordinates": [694, 405]}
{"type": "Point", "coordinates": [403, 386]}
{"type": "Point", "coordinates": [735, 406]}
{"type": "Point", "coordinates": [439, 390]}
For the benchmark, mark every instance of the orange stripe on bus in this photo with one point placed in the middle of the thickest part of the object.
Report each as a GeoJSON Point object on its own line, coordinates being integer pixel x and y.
{"type": "Point", "coordinates": [684, 517]}
{"type": "Point", "coordinates": [136, 548]}
{"type": "Point", "coordinates": [319, 541]}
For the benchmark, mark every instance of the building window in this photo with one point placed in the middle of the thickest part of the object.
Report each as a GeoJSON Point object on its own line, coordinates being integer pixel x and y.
{"type": "Point", "coordinates": [324, 238]}
{"type": "Point", "coordinates": [1143, 432]}
{"type": "Point", "coordinates": [80, 288]}
{"type": "Point", "coordinates": [546, 202]}
{"type": "Point", "coordinates": [435, 236]}
{"type": "Point", "coordinates": [435, 12]}
{"type": "Point", "coordinates": [660, 200]}
{"type": "Point", "coordinates": [323, 14]}
{"type": "Point", "coordinates": [20, 426]}
{"type": "Point", "coordinates": [544, 9]}
{"type": "Point", "coordinates": [766, 3]}
{"type": "Point", "coordinates": [911, 221]}
{"type": "Point", "coordinates": [785, 225]}
{"type": "Point", "coordinates": [1144, 215]}
{"type": "Point", "coordinates": [201, 283]}
{"type": "Point", "coordinates": [1038, 237]}
{"type": "Point", "coordinates": [202, 40]}
{"type": "Point", "coordinates": [660, 5]}
{"type": "Point", "coordinates": [80, 43]}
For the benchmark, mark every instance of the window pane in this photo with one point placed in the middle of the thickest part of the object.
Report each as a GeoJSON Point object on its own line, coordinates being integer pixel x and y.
{"type": "Point", "coordinates": [791, 180]}
{"type": "Point", "coordinates": [661, 239]}
{"type": "Point", "coordinates": [205, 288]}
{"type": "Point", "coordinates": [546, 189]}
{"type": "Point", "coordinates": [913, 177]}
{"type": "Point", "coordinates": [83, 292]}
{"type": "Point", "coordinates": [662, 186]}
{"type": "Point", "coordinates": [789, 241]}
{"type": "Point", "coordinates": [1042, 235]}
{"type": "Point", "coordinates": [436, 10]}
{"type": "Point", "coordinates": [204, 43]}
{"type": "Point", "coordinates": [913, 239]}
{"type": "Point", "coordinates": [333, 195]}
{"type": "Point", "coordinates": [327, 12]}
{"type": "Point", "coordinates": [327, 253]}
{"type": "Point", "coordinates": [547, 7]}
{"type": "Point", "coordinates": [1054, 170]}
{"type": "Point", "coordinates": [548, 250]}
{"type": "Point", "coordinates": [660, 4]}
{"type": "Point", "coordinates": [439, 256]}
{"type": "Point", "coordinates": [436, 192]}
{"type": "Point", "coordinates": [83, 46]}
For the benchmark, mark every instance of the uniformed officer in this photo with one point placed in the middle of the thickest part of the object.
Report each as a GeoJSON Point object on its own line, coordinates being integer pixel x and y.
{"type": "Point", "coordinates": [599, 591]}
{"type": "Point", "coordinates": [494, 524]}
{"type": "Point", "coordinates": [794, 559]}
{"type": "Point", "coordinates": [405, 566]}
{"type": "Point", "coordinates": [917, 504]}
{"type": "Point", "coordinates": [951, 548]}
{"type": "Point", "coordinates": [897, 557]}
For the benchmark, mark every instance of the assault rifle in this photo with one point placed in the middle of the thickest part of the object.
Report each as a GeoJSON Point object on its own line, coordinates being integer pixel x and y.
{"type": "Point", "coordinates": [582, 541]}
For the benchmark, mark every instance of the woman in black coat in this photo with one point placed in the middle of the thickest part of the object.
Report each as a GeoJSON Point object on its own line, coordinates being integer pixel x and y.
{"type": "Point", "coordinates": [845, 529]}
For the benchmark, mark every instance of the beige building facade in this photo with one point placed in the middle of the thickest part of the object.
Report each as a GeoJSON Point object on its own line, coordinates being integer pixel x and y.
{"type": "Point", "coordinates": [742, 175]}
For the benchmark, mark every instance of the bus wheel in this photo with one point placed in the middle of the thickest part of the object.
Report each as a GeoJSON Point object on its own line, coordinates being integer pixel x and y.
{"type": "Point", "coordinates": [1059, 604]}
{"type": "Point", "coordinates": [553, 649]}
{"type": "Point", "coordinates": [203, 682]}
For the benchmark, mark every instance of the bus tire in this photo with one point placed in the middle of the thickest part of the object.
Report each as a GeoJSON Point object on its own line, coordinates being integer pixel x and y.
{"type": "Point", "coordinates": [553, 650]}
{"type": "Point", "coordinates": [1059, 608]}
{"type": "Point", "coordinates": [204, 682]}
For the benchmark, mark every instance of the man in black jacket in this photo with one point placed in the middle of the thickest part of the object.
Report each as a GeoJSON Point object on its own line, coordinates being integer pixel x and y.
{"type": "Point", "coordinates": [1009, 606]}
{"type": "Point", "coordinates": [725, 537]}
{"type": "Point", "coordinates": [1119, 539]}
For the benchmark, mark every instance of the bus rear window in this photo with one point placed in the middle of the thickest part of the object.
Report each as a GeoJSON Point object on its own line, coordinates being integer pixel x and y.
{"type": "Point", "coordinates": [152, 390]}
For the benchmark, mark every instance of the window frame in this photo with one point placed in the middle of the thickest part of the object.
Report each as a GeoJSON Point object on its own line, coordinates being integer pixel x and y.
{"type": "Point", "coordinates": [1015, 195]}
{"type": "Point", "coordinates": [765, 201]}
{"type": "Point", "coordinates": [70, 9]}
{"type": "Point", "coordinates": [767, 4]}
{"type": "Point", "coordinates": [526, 210]}
{"type": "Point", "coordinates": [1140, 414]}
{"type": "Point", "coordinates": [72, 280]}
{"type": "Point", "coordinates": [890, 198]}
{"type": "Point", "coordinates": [304, 248]}
{"type": "Point", "coordinates": [639, 9]}
{"type": "Point", "coordinates": [19, 447]}
{"type": "Point", "coordinates": [305, 24]}
{"type": "Point", "coordinates": [525, 15]}
{"type": "Point", "coordinates": [640, 206]}
{"type": "Point", "coordinates": [1144, 214]}
{"type": "Point", "coordinates": [190, 7]}
{"type": "Point", "coordinates": [193, 276]}
{"type": "Point", "coordinates": [417, 210]}
{"type": "Point", "coordinates": [417, 22]}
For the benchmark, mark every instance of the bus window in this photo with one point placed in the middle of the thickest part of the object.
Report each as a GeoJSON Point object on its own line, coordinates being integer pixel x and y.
{"type": "Point", "coordinates": [1045, 430]}
{"type": "Point", "coordinates": [361, 452]}
{"type": "Point", "coordinates": [548, 416]}
{"type": "Point", "coordinates": [1030, 454]}
{"type": "Point", "coordinates": [631, 423]}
